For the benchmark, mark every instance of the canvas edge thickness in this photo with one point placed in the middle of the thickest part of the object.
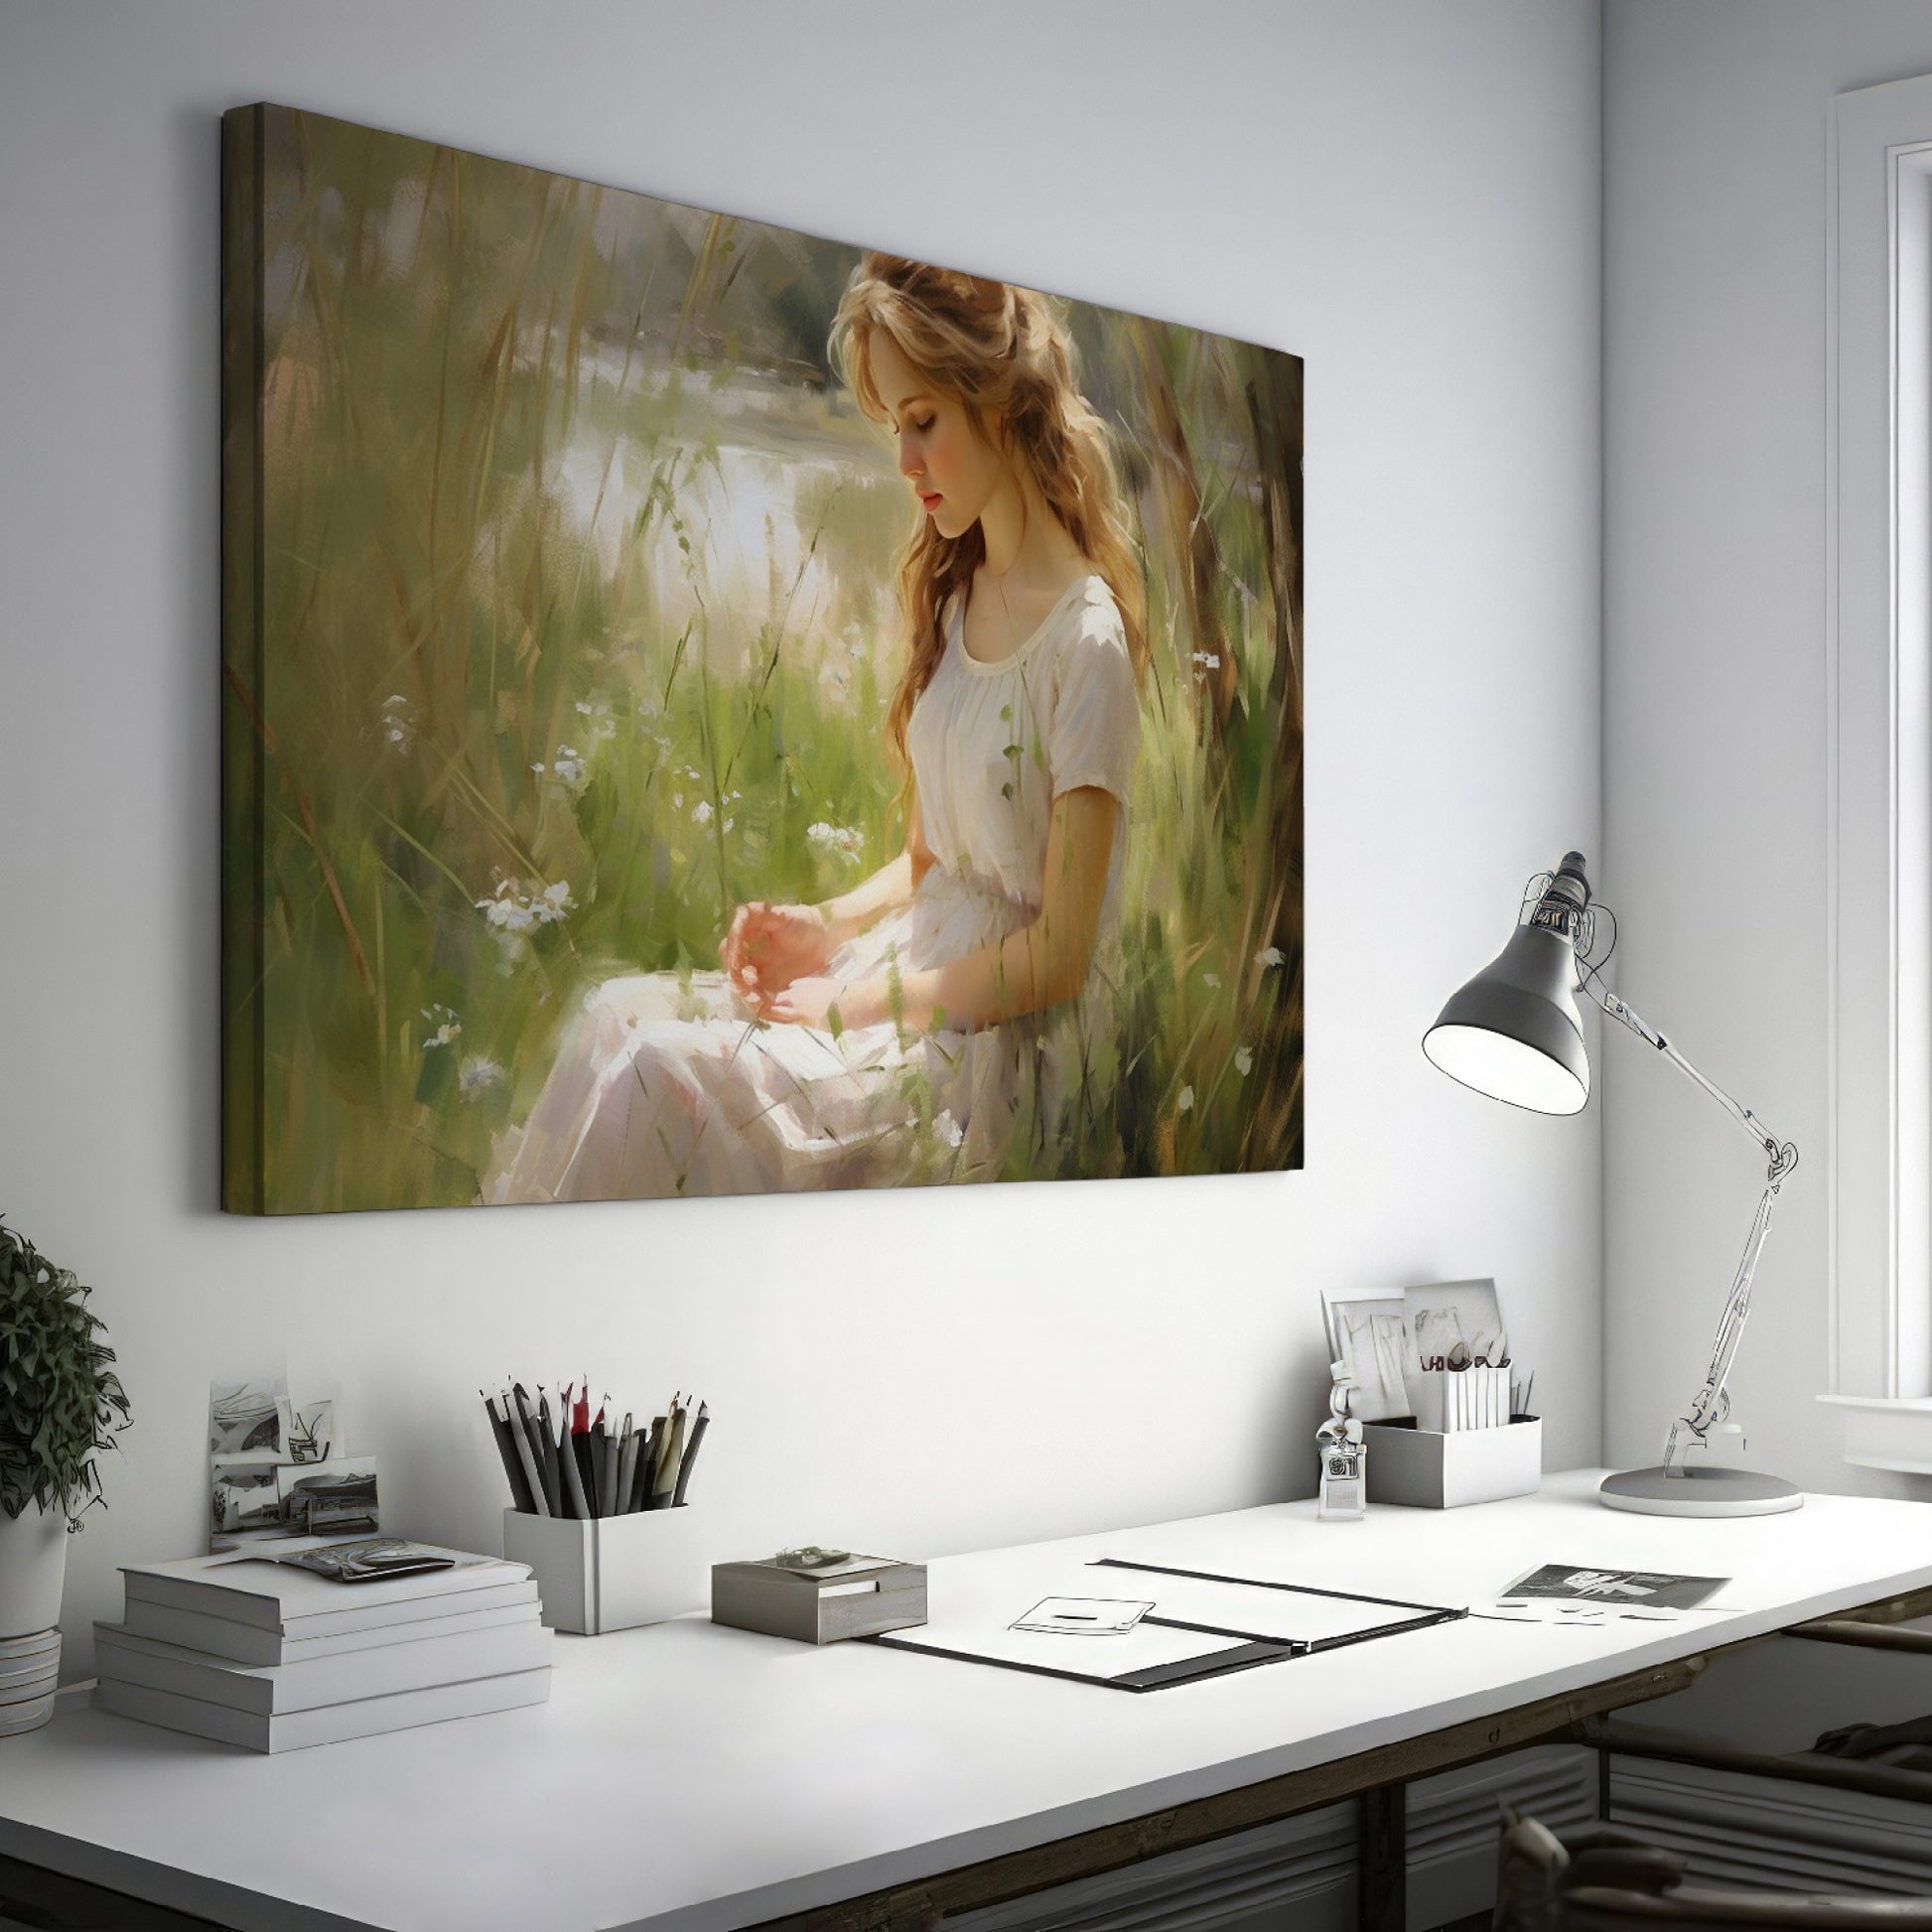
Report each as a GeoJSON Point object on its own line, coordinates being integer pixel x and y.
{"type": "Point", "coordinates": [243, 753]}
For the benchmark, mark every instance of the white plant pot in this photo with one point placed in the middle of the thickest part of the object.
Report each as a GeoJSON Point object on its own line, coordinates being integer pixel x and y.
{"type": "Point", "coordinates": [32, 1568]}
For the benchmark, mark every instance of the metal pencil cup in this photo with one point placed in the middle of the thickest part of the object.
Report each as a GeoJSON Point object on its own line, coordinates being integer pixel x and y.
{"type": "Point", "coordinates": [611, 1572]}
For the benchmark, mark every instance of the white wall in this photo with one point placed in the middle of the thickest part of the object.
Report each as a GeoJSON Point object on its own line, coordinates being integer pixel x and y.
{"type": "Point", "coordinates": [1716, 142]}
{"type": "Point", "coordinates": [1404, 193]}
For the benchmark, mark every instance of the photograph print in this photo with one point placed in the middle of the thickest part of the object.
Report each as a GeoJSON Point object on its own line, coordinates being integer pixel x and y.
{"type": "Point", "coordinates": [711, 710]}
{"type": "Point", "coordinates": [244, 1418]}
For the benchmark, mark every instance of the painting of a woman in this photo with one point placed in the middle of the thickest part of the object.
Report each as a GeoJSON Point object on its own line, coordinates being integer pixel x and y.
{"type": "Point", "coordinates": [910, 1026]}
{"type": "Point", "coordinates": [712, 709]}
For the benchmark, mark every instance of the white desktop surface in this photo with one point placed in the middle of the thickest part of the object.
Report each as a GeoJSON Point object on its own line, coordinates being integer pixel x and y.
{"type": "Point", "coordinates": [687, 1777]}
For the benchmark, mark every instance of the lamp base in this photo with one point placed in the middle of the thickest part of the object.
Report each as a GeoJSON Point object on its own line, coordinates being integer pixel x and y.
{"type": "Point", "coordinates": [1714, 1490]}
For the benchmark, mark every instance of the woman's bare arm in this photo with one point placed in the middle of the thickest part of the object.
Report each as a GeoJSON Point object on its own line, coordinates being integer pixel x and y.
{"type": "Point", "coordinates": [767, 947]}
{"type": "Point", "coordinates": [1038, 966]}
{"type": "Point", "coordinates": [891, 886]}
{"type": "Point", "coordinates": [1045, 961]}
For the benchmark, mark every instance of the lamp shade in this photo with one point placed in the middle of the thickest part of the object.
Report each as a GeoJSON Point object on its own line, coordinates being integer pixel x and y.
{"type": "Point", "coordinates": [1513, 1031]}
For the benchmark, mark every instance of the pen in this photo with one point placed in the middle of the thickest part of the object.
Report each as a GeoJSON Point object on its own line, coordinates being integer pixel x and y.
{"type": "Point", "coordinates": [600, 1488]}
{"type": "Point", "coordinates": [646, 1463]}
{"type": "Point", "coordinates": [698, 1428]}
{"type": "Point", "coordinates": [626, 1464]}
{"type": "Point", "coordinates": [573, 1468]}
{"type": "Point", "coordinates": [528, 1452]}
{"type": "Point", "coordinates": [664, 1486]}
{"type": "Point", "coordinates": [553, 1488]}
{"type": "Point", "coordinates": [585, 1464]}
{"type": "Point", "coordinates": [607, 1489]}
{"type": "Point", "coordinates": [520, 1493]}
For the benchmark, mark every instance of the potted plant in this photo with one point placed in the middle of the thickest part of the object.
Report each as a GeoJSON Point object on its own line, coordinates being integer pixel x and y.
{"type": "Point", "coordinates": [59, 1405]}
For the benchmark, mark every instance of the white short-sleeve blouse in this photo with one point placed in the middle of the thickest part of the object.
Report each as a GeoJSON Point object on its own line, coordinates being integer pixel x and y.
{"type": "Point", "coordinates": [993, 746]}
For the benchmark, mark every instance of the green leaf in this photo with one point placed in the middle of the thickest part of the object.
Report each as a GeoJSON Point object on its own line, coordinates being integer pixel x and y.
{"type": "Point", "coordinates": [59, 1404]}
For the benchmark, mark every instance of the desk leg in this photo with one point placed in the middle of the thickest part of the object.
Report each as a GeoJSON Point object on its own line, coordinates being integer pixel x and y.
{"type": "Point", "coordinates": [1382, 1873]}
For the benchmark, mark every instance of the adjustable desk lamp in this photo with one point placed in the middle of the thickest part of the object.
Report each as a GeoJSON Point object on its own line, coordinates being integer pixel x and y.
{"type": "Point", "coordinates": [1513, 1032]}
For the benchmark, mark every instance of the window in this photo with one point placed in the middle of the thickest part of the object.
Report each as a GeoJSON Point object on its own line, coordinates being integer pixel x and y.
{"type": "Point", "coordinates": [1879, 612]}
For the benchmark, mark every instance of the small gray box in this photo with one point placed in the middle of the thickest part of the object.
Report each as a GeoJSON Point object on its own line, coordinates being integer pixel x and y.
{"type": "Point", "coordinates": [858, 1598]}
{"type": "Point", "coordinates": [1421, 1466]}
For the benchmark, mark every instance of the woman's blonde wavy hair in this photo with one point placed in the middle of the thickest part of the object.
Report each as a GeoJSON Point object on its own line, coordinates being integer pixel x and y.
{"type": "Point", "coordinates": [995, 347]}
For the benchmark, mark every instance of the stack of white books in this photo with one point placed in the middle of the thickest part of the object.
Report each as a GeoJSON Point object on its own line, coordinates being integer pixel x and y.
{"type": "Point", "coordinates": [255, 1651]}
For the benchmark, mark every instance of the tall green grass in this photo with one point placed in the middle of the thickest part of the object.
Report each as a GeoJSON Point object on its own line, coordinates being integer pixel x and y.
{"type": "Point", "coordinates": [576, 592]}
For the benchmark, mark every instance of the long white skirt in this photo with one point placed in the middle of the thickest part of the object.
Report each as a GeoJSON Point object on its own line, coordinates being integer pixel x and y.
{"type": "Point", "coordinates": [668, 1084]}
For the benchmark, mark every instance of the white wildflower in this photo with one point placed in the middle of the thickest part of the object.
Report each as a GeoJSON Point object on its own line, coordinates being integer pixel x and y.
{"type": "Point", "coordinates": [1208, 659]}
{"type": "Point", "coordinates": [507, 909]}
{"type": "Point", "coordinates": [945, 1127]}
{"type": "Point", "coordinates": [1186, 1104]}
{"type": "Point", "coordinates": [448, 1026]}
{"type": "Point", "coordinates": [478, 1075]}
{"type": "Point", "coordinates": [600, 727]}
{"type": "Point", "coordinates": [1210, 978]}
{"type": "Point", "coordinates": [846, 840]}
{"type": "Point", "coordinates": [569, 768]}
{"type": "Point", "coordinates": [517, 908]}
{"type": "Point", "coordinates": [1244, 1061]}
{"type": "Point", "coordinates": [729, 823]}
{"type": "Point", "coordinates": [398, 723]}
{"type": "Point", "coordinates": [677, 801]}
{"type": "Point", "coordinates": [1270, 956]}
{"type": "Point", "coordinates": [701, 812]}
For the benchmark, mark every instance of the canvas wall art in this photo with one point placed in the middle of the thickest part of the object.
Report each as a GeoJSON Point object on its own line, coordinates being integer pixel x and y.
{"type": "Point", "coordinates": [709, 709]}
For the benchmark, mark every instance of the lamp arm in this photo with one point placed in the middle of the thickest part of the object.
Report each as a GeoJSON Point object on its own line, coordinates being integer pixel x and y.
{"type": "Point", "coordinates": [1782, 1155]}
{"type": "Point", "coordinates": [1712, 1402]}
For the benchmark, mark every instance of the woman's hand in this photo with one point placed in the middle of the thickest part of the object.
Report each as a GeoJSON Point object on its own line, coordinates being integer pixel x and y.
{"type": "Point", "coordinates": [812, 1001]}
{"type": "Point", "coordinates": [766, 947]}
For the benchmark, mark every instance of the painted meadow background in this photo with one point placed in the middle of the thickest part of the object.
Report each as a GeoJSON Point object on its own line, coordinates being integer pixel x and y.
{"type": "Point", "coordinates": [560, 619]}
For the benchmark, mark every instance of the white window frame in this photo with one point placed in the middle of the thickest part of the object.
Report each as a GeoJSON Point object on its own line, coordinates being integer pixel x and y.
{"type": "Point", "coordinates": [1878, 700]}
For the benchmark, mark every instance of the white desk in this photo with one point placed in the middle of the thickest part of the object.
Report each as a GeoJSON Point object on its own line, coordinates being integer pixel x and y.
{"type": "Point", "coordinates": [689, 1778]}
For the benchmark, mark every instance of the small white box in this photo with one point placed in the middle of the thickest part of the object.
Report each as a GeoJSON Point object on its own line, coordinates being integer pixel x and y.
{"type": "Point", "coordinates": [1431, 1470]}
{"type": "Point", "coordinates": [611, 1572]}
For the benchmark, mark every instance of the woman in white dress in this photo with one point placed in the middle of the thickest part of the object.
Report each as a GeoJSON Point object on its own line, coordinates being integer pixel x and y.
{"type": "Point", "coordinates": [959, 1000]}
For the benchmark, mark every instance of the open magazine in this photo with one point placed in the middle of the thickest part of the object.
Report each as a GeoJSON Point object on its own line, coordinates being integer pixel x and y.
{"type": "Point", "coordinates": [369, 1560]}
{"type": "Point", "coordinates": [1584, 1594]}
